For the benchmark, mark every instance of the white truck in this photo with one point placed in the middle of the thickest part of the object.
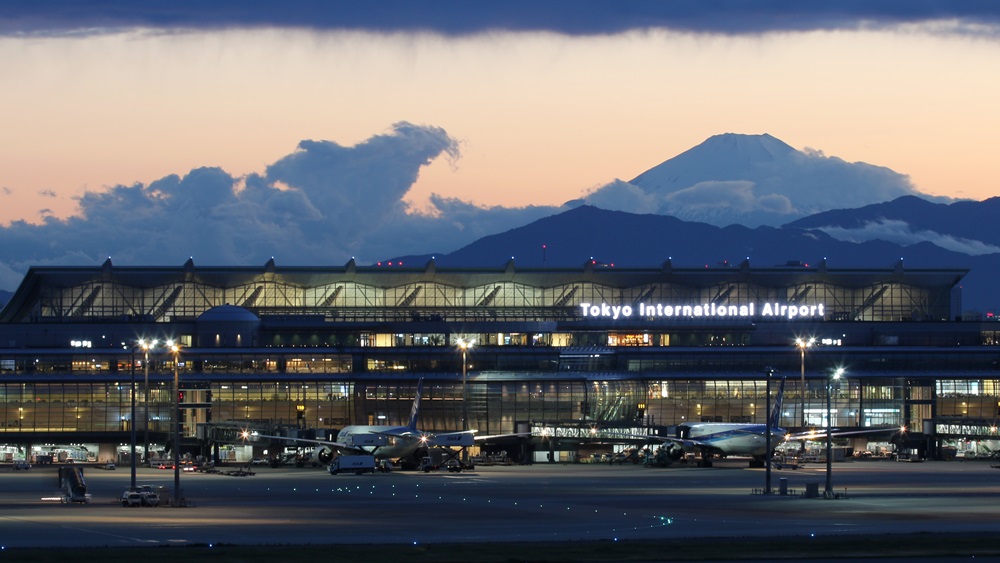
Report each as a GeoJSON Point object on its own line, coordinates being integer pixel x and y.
{"type": "Point", "coordinates": [131, 498]}
{"type": "Point", "coordinates": [357, 464]}
{"type": "Point", "coordinates": [141, 495]}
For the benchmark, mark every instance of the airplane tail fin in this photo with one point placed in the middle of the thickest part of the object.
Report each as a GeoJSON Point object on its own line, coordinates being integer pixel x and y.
{"type": "Point", "coordinates": [415, 409]}
{"type": "Point", "coordinates": [776, 413]}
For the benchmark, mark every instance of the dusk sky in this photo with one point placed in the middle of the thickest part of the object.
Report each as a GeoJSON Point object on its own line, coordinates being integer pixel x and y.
{"type": "Point", "coordinates": [117, 114]}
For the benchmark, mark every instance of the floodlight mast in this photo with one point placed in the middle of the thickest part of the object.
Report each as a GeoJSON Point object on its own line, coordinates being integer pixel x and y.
{"type": "Point", "coordinates": [146, 345]}
{"type": "Point", "coordinates": [767, 431]}
{"type": "Point", "coordinates": [802, 344]}
{"type": "Point", "coordinates": [175, 349]}
{"type": "Point", "coordinates": [465, 346]}
{"type": "Point", "coordinates": [131, 423]}
{"type": "Point", "coordinates": [828, 492]}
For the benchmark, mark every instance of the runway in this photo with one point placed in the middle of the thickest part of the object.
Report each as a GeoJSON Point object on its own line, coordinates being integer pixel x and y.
{"type": "Point", "coordinates": [540, 502]}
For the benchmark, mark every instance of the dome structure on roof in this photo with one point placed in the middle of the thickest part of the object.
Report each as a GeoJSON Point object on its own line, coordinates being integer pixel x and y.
{"type": "Point", "coordinates": [227, 326]}
{"type": "Point", "coordinates": [228, 314]}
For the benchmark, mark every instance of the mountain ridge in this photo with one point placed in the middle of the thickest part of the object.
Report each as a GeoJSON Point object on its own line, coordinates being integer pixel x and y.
{"type": "Point", "coordinates": [587, 233]}
{"type": "Point", "coordinates": [972, 220]}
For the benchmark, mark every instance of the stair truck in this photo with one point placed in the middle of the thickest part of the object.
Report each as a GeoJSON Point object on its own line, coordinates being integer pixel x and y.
{"type": "Point", "coordinates": [73, 486]}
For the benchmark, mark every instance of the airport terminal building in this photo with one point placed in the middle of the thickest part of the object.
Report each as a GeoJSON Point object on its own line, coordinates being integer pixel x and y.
{"type": "Point", "coordinates": [575, 356]}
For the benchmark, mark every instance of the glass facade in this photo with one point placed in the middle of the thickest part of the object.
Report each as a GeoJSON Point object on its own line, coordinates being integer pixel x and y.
{"type": "Point", "coordinates": [322, 348]}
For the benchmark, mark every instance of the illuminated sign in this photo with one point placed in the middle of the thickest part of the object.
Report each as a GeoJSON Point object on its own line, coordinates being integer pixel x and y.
{"type": "Point", "coordinates": [80, 343]}
{"type": "Point", "coordinates": [705, 310]}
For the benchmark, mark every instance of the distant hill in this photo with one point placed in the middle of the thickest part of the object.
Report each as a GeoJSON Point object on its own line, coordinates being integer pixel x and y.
{"type": "Point", "coordinates": [631, 240]}
{"type": "Point", "coordinates": [972, 227]}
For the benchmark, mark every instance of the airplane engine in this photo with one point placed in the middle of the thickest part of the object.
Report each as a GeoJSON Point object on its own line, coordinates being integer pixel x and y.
{"type": "Point", "coordinates": [322, 456]}
{"type": "Point", "coordinates": [675, 452]}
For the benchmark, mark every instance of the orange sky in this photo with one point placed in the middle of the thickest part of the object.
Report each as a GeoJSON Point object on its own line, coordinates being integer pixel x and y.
{"type": "Point", "coordinates": [541, 118]}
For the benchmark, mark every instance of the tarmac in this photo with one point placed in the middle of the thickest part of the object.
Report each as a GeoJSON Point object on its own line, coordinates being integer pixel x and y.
{"type": "Point", "coordinates": [533, 503]}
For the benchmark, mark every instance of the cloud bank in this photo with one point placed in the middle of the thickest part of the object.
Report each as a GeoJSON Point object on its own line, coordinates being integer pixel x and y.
{"type": "Point", "coordinates": [900, 232]}
{"type": "Point", "coordinates": [322, 204]}
{"type": "Point", "coordinates": [460, 17]}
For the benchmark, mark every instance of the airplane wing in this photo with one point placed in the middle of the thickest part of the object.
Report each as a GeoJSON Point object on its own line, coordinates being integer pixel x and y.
{"type": "Point", "coordinates": [371, 439]}
{"type": "Point", "coordinates": [465, 438]}
{"type": "Point", "coordinates": [495, 436]}
{"type": "Point", "coordinates": [336, 445]}
{"type": "Point", "coordinates": [820, 434]}
{"type": "Point", "coordinates": [687, 444]}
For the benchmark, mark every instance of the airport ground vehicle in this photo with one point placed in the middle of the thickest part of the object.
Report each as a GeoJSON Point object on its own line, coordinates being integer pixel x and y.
{"type": "Point", "coordinates": [131, 498]}
{"type": "Point", "coordinates": [150, 496]}
{"type": "Point", "coordinates": [442, 459]}
{"type": "Point", "coordinates": [21, 465]}
{"type": "Point", "coordinates": [352, 463]}
{"type": "Point", "coordinates": [73, 486]}
{"type": "Point", "coordinates": [427, 465]}
{"type": "Point", "coordinates": [141, 495]}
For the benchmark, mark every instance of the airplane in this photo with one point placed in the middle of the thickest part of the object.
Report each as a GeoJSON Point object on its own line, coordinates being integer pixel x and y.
{"type": "Point", "coordinates": [385, 442]}
{"type": "Point", "coordinates": [724, 439]}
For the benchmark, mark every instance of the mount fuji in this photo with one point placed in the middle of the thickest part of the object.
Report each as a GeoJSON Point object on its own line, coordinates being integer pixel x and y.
{"type": "Point", "coordinates": [751, 180]}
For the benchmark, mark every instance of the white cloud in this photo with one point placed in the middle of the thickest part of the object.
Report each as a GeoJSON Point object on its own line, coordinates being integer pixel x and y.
{"type": "Point", "coordinates": [899, 232]}
{"type": "Point", "coordinates": [737, 195]}
{"type": "Point", "coordinates": [715, 202]}
{"type": "Point", "coordinates": [622, 196]}
{"type": "Point", "coordinates": [322, 204]}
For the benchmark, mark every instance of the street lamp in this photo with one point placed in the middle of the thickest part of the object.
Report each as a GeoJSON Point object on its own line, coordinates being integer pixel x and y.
{"type": "Point", "coordinates": [829, 431]}
{"type": "Point", "coordinates": [465, 345]}
{"type": "Point", "coordinates": [146, 345]}
{"type": "Point", "coordinates": [767, 439]}
{"type": "Point", "coordinates": [175, 349]}
{"type": "Point", "coordinates": [131, 453]}
{"type": "Point", "coordinates": [802, 344]}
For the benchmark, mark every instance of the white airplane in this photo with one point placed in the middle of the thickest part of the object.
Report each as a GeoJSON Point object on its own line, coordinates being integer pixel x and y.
{"type": "Point", "coordinates": [723, 439]}
{"type": "Point", "coordinates": [384, 442]}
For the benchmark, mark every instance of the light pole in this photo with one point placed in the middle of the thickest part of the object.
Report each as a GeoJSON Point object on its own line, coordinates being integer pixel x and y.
{"type": "Point", "coordinates": [465, 345]}
{"type": "Point", "coordinates": [146, 345]}
{"type": "Point", "coordinates": [175, 349]}
{"type": "Point", "coordinates": [132, 422]}
{"type": "Point", "coordinates": [802, 344]}
{"type": "Point", "coordinates": [828, 493]}
{"type": "Point", "coordinates": [767, 429]}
